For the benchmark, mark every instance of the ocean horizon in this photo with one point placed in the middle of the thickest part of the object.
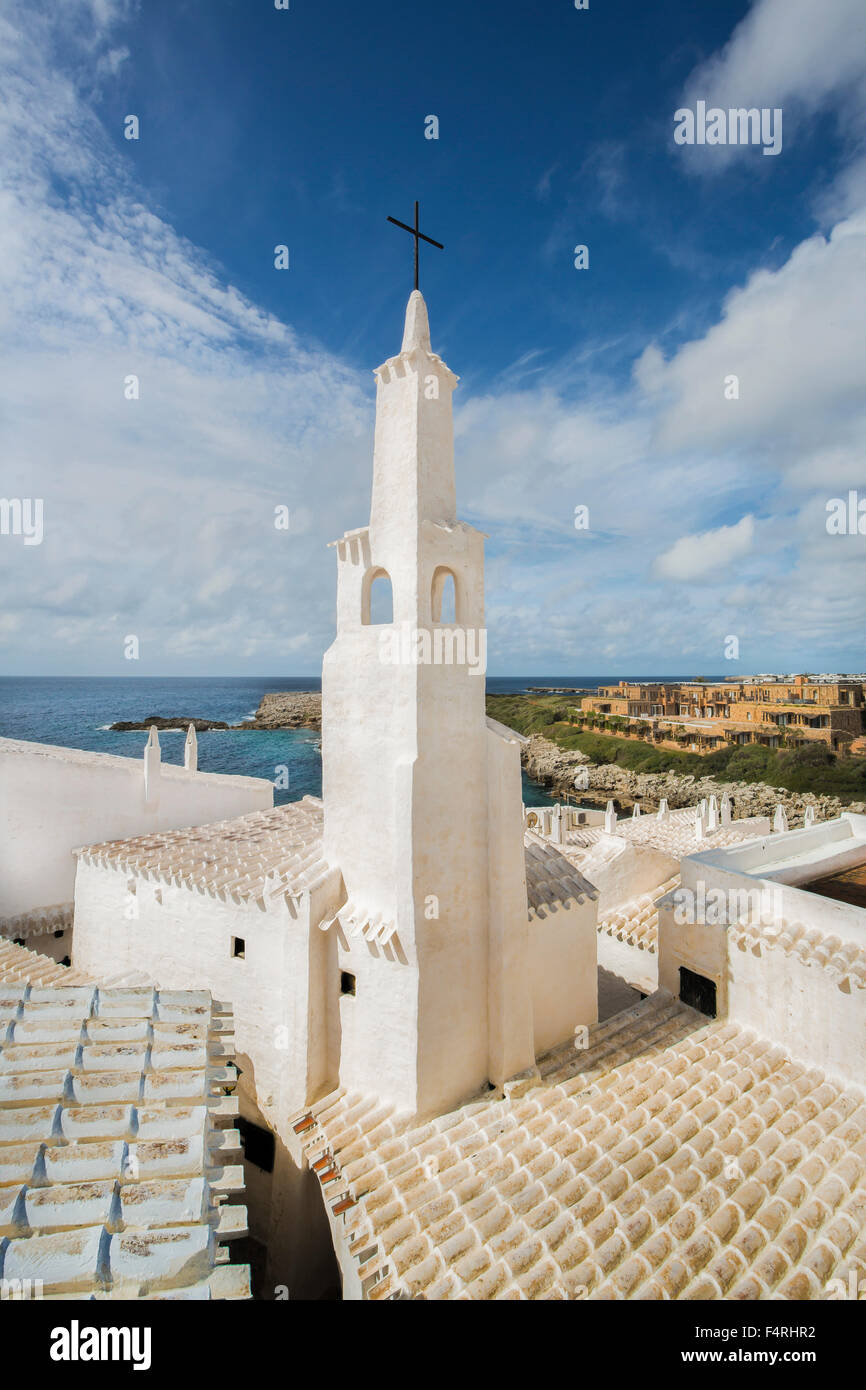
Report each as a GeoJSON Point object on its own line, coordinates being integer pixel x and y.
{"type": "Point", "coordinates": [77, 712]}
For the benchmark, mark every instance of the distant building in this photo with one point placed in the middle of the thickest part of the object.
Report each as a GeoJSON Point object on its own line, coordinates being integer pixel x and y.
{"type": "Point", "coordinates": [776, 712]}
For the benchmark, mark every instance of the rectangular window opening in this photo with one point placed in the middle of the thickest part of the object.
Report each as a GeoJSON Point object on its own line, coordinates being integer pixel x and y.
{"type": "Point", "coordinates": [698, 992]}
{"type": "Point", "coordinates": [347, 982]}
{"type": "Point", "coordinates": [239, 947]}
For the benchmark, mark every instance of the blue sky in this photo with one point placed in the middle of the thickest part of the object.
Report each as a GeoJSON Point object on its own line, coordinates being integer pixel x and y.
{"type": "Point", "coordinates": [307, 128]}
{"type": "Point", "coordinates": [600, 387]}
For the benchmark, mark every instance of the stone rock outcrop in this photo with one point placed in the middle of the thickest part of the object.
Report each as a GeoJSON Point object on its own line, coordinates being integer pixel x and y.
{"type": "Point", "coordinates": [288, 709]}
{"type": "Point", "coordinates": [125, 726]}
{"type": "Point", "coordinates": [555, 768]}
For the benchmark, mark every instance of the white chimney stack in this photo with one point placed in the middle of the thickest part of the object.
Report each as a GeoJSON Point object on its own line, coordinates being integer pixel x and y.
{"type": "Point", "coordinates": [152, 765]}
{"type": "Point", "coordinates": [190, 751]}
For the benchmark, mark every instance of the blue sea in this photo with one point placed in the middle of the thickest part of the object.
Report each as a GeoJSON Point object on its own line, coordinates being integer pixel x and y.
{"type": "Point", "coordinates": [76, 711]}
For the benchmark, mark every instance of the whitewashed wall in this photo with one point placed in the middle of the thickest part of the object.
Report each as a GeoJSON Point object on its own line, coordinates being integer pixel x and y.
{"type": "Point", "coordinates": [622, 871]}
{"type": "Point", "coordinates": [183, 940]}
{"type": "Point", "coordinates": [638, 968]}
{"type": "Point", "coordinates": [282, 992]}
{"type": "Point", "coordinates": [796, 1003]}
{"type": "Point", "coordinates": [55, 799]}
{"type": "Point", "coordinates": [562, 949]}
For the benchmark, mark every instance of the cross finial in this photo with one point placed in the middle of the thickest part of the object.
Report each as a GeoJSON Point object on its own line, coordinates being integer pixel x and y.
{"type": "Point", "coordinates": [419, 236]}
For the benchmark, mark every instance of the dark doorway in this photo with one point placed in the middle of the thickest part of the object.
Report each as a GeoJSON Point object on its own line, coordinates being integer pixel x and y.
{"type": "Point", "coordinates": [698, 992]}
{"type": "Point", "coordinates": [258, 1144]}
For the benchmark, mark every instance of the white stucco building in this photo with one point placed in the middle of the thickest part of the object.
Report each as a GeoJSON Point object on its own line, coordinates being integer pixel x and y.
{"type": "Point", "coordinates": [407, 934]}
{"type": "Point", "coordinates": [428, 1102]}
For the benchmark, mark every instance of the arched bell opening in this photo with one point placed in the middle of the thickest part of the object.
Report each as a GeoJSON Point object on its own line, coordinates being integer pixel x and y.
{"type": "Point", "coordinates": [444, 605]}
{"type": "Point", "coordinates": [377, 599]}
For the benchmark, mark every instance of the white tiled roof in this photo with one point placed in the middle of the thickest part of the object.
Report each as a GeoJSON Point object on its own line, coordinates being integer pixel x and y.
{"type": "Point", "coordinates": [17, 963]}
{"type": "Point", "coordinates": [675, 1158]}
{"type": "Point", "coordinates": [40, 921]}
{"type": "Point", "coordinates": [637, 922]}
{"type": "Point", "coordinates": [846, 960]}
{"type": "Point", "coordinates": [115, 1169]}
{"type": "Point", "coordinates": [356, 919]}
{"type": "Point", "coordinates": [675, 835]}
{"type": "Point", "coordinates": [552, 880]}
{"type": "Point", "coordinates": [264, 855]}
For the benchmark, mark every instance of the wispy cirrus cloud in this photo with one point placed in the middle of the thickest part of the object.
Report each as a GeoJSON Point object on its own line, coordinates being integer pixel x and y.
{"type": "Point", "coordinates": [159, 510]}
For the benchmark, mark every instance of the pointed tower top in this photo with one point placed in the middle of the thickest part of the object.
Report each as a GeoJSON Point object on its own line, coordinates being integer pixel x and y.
{"type": "Point", "coordinates": [416, 334]}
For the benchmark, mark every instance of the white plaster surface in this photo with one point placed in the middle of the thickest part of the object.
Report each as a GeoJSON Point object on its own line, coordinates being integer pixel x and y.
{"type": "Point", "coordinates": [54, 799]}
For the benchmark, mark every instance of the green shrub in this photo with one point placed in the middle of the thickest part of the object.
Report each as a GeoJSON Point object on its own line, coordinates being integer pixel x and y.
{"type": "Point", "coordinates": [750, 763]}
{"type": "Point", "coordinates": [812, 768]}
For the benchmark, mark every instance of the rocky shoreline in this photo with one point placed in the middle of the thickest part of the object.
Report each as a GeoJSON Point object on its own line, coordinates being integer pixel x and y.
{"type": "Point", "coordinates": [158, 722]}
{"type": "Point", "coordinates": [555, 769]}
{"type": "Point", "coordinates": [288, 709]}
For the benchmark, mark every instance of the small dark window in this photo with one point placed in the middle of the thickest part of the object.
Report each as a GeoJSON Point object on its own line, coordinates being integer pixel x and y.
{"type": "Point", "coordinates": [347, 982]}
{"type": "Point", "coordinates": [698, 992]}
{"type": "Point", "coordinates": [66, 961]}
{"type": "Point", "coordinates": [58, 934]}
{"type": "Point", "coordinates": [239, 947]}
{"type": "Point", "coordinates": [19, 941]}
{"type": "Point", "coordinates": [258, 1144]}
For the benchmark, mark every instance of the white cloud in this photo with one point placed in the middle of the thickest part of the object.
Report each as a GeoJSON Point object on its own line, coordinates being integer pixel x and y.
{"type": "Point", "coordinates": [784, 54]}
{"type": "Point", "coordinates": [162, 508]}
{"type": "Point", "coordinates": [159, 512]}
{"type": "Point", "coordinates": [796, 339]}
{"type": "Point", "coordinates": [778, 51]}
{"type": "Point", "coordinates": [691, 557]}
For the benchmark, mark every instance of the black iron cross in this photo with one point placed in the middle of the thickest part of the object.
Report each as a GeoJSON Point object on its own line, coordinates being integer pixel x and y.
{"type": "Point", "coordinates": [419, 236]}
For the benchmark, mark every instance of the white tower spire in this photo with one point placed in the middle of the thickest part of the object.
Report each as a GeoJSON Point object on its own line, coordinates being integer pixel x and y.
{"type": "Point", "coordinates": [406, 763]}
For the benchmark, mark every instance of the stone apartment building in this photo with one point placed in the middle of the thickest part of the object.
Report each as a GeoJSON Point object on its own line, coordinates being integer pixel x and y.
{"type": "Point", "coordinates": [774, 711]}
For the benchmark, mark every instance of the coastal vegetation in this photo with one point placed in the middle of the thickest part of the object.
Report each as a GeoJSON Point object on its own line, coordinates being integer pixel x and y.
{"type": "Point", "coordinates": [814, 768]}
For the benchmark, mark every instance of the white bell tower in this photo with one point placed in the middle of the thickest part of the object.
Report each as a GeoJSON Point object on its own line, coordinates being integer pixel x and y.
{"type": "Point", "coordinates": [405, 762]}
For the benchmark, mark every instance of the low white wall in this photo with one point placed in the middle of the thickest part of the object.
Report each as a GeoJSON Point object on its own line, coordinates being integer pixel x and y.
{"type": "Point", "coordinates": [622, 872]}
{"type": "Point", "coordinates": [637, 968]}
{"type": "Point", "coordinates": [801, 1006]}
{"type": "Point", "coordinates": [700, 948]}
{"type": "Point", "coordinates": [563, 962]}
{"type": "Point", "coordinates": [53, 800]}
{"type": "Point", "coordinates": [183, 940]}
{"type": "Point", "coordinates": [795, 856]}
{"type": "Point", "coordinates": [797, 1003]}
